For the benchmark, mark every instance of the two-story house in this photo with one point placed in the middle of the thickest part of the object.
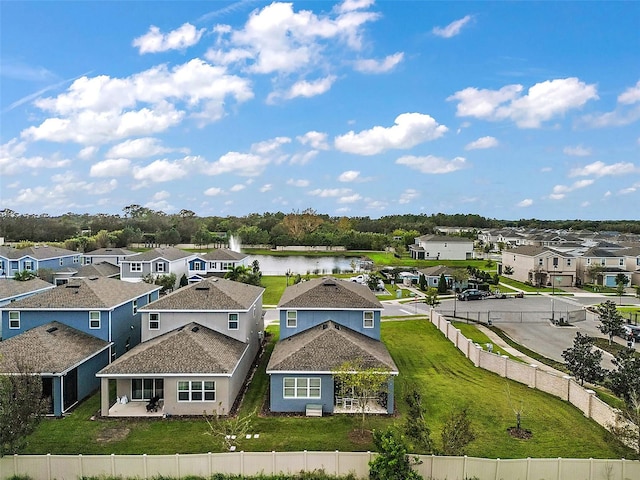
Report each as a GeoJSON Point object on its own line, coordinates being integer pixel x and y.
{"type": "Point", "coordinates": [540, 266]}
{"type": "Point", "coordinates": [601, 266]}
{"type": "Point", "coordinates": [158, 261]}
{"type": "Point", "coordinates": [441, 247]}
{"type": "Point", "coordinates": [324, 323]}
{"type": "Point", "coordinates": [215, 263]}
{"type": "Point", "coordinates": [632, 263]}
{"type": "Point", "coordinates": [103, 308]}
{"type": "Point", "coordinates": [111, 254]}
{"type": "Point", "coordinates": [38, 257]}
{"type": "Point", "coordinates": [12, 290]}
{"type": "Point", "coordinates": [198, 346]}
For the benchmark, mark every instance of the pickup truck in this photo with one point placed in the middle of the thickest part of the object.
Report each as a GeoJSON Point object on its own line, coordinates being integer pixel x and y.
{"type": "Point", "coordinates": [359, 279]}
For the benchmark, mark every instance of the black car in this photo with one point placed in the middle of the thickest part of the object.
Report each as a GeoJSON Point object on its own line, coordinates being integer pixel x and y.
{"type": "Point", "coordinates": [470, 294]}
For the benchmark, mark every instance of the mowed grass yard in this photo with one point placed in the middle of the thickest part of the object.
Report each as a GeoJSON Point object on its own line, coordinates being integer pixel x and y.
{"type": "Point", "coordinates": [426, 360]}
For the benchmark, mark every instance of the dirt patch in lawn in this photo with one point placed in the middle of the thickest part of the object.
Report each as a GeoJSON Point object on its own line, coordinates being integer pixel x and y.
{"type": "Point", "coordinates": [113, 433]}
{"type": "Point", "coordinates": [361, 437]}
{"type": "Point", "coordinates": [521, 433]}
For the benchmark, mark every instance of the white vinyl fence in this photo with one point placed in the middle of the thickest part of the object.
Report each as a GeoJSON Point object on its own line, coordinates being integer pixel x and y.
{"type": "Point", "coordinates": [69, 467]}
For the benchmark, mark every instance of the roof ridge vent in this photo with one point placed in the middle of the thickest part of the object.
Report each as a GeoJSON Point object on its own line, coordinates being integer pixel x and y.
{"type": "Point", "coordinates": [195, 329]}
{"type": "Point", "coordinates": [52, 329]}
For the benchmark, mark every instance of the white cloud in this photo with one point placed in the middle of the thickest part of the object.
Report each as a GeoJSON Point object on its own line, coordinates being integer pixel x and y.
{"type": "Point", "coordinates": [481, 143]}
{"type": "Point", "coordinates": [350, 198]}
{"type": "Point", "coordinates": [139, 148]}
{"type": "Point", "coordinates": [304, 88]}
{"type": "Point", "coordinates": [410, 129]}
{"type": "Point", "coordinates": [298, 183]}
{"type": "Point", "coordinates": [431, 164]}
{"type": "Point", "coordinates": [542, 102]}
{"type": "Point", "coordinates": [244, 164]}
{"type": "Point", "coordinates": [316, 140]}
{"type": "Point", "coordinates": [379, 66]}
{"type": "Point", "coordinates": [271, 146]}
{"type": "Point", "coordinates": [179, 39]}
{"type": "Point", "coordinates": [577, 151]}
{"type": "Point", "coordinates": [102, 109]}
{"type": "Point", "coordinates": [161, 171]}
{"type": "Point", "coordinates": [560, 191]}
{"type": "Point", "coordinates": [408, 196]}
{"type": "Point", "coordinates": [87, 152]}
{"type": "Point", "coordinates": [161, 195]}
{"type": "Point", "coordinates": [114, 167]}
{"type": "Point", "coordinates": [266, 188]}
{"type": "Point", "coordinates": [13, 160]}
{"type": "Point", "coordinates": [213, 191]}
{"type": "Point", "coordinates": [349, 176]}
{"type": "Point", "coordinates": [631, 95]}
{"type": "Point", "coordinates": [303, 158]}
{"type": "Point", "coordinates": [453, 29]}
{"type": "Point", "coordinates": [238, 187]}
{"type": "Point", "coordinates": [601, 169]}
{"type": "Point", "coordinates": [527, 202]}
{"type": "Point", "coordinates": [330, 192]}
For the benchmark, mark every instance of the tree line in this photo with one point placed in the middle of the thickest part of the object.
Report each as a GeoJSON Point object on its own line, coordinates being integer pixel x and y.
{"type": "Point", "coordinates": [306, 227]}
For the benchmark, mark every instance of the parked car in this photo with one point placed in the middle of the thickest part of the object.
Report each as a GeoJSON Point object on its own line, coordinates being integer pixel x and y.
{"type": "Point", "coordinates": [499, 294]}
{"type": "Point", "coordinates": [631, 332]}
{"type": "Point", "coordinates": [470, 294]}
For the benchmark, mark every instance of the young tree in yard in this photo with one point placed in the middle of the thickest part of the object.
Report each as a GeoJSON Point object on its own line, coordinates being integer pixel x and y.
{"type": "Point", "coordinates": [415, 426]}
{"type": "Point", "coordinates": [431, 297]}
{"type": "Point", "coordinates": [393, 461]}
{"type": "Point", "coordinates": [625, 379]}
{"type": "Point", "coordinates": [460, 275]}
{"type": "Point", "coordinates": [627, 426]}
{"type": "Point", "coordinates": [457, 433]}
{"type": "Point", "coordinates": [611, 321]}
{"type": "Point", "coordinates": [621, 283]}
{"type": "Point", "coordinates": [422, 282]}
{"type": "Point", "coordinates": [362, 382]}
{"type": "Point", "coordinates": [583, 361]}
{"type": "Point", "coordinates": [21, 408]}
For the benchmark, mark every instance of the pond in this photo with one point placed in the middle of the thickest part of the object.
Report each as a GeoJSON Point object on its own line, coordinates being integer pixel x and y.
{"type": "Point", "coordinates": [280, 265]}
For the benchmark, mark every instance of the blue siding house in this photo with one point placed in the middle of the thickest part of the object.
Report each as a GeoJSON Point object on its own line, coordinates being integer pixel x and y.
{"type": "Point", "coordinates": [65, 358]}
{"type": "Point", "coordinates": [215, 263]}
{"type": "Point", "coordinates": [324, 323]}
{"type": "Point", "coordinates": [15, 260]}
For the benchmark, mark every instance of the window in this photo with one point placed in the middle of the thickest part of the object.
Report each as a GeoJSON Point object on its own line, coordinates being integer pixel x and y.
{"type": "Point", "coordinates": [294, 387]}
{"type": "Point", "coordinates": [292, 319]}
{"type": "Point", "coordinates": [588, 261]}
{"type": "Point", "coordinates": [28, 265]}
{"type": "Point", "coordinates": [197, 266]}
{"type": "Point", "coordinates": [61, 262]}
{"type": "Point", "coordinates": [14, 319]}
{"type": "Point", "coordinates": [568, 262]}
{"type": "Point", "coordinates": [136, 267]}
{"type": "Point", "coordinates": [148, 298]}
{"type": "Point", "coordinates": [196, 391]}
{"type": "Point", "coordinates": [540, 261]}
{"type": "Point", "coordinates": [233, 321]}
{"type": "Point", "coordinates": [212, 265]}
{"type": "Point", "coordinates": [146, 388]}
{"type": "Point", "coordinates": [603, 261]}
{"type": "Point", "coordinates": [94, 320]}
{"type": "Point", "coordinates": [154, 321]}
{"type": "Point", "coordinates": [76, 259]}
{"type": "Point", "coordinates": [621, 262]}
{"type": "Point", "coordinates": [135, 306]}
{"type": "Point", "coordinates": [367, 320]}
{"type": "Point", "coordinates": [160, 267]}
{"type": "Point", "coordinates": [555, 261]}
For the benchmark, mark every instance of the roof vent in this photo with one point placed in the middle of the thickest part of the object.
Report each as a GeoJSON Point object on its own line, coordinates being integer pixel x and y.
{"type": "Point", "coordinates": [324, 326]}
{"type": "Point", "coordinates": [93, 278]}
{"type": "Point", "coordinates": [202, 288]}
{"type": "Point", "coordinates": [72, 286]}
{"type": "Point", "coordinates": [195, 329]}
{"type": "Point", "coordinates": [52, 329]}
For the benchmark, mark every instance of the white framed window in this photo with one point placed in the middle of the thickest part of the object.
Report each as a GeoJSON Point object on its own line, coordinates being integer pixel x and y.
{"type": "Point", "coordinates": [14, 320]}
{"type": "Point", "coordinates": [292, 318]}
{"type": "Point", "coordinates": [148, 298]}
{"type": "Point", "coordinates": [154, 321]}
{"type": "Point", "coordinates": [28, 265]}
{"type": "Point", "coordinates": [136, 266]}
{"type": "Point", "coordinates": [212, 265]}
{"type": "Point", "coordinates": [147, 388]}
{"type": "Point", "coordinates": [76, 259]}
{"type": "Point", "coordinates": [568, 262]}
{"type": "Point", "coordinates": [233, 321]}
{"type": "Point", "coordinates": [603, 261]}
{"type": "Point", "coordinates": [196, 391]}
{"type": "Point", "coordinates": [160, 267]}
{"type": "Point", "coordinates": [540, 261]}
{"type": "Point", "coordinates": [588, 261]}
{"type": "Point", "coordinates": [621, 262]}
{"type": "Point", "coordinates": [298, 387]}
{"type": "Point", "coordinates": [367, 320]}
{"type": "Point", "coordinates": [197, 266]}
{"type": "Point", "coordinates": [61, 262]}
{"type": "Point", "coordinates": [94, 320]}
{"type": "Point", "coordinates": [135, 306]}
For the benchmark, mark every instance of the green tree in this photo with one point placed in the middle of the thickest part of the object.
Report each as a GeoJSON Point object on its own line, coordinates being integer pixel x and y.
{"type": "Point", "coordinates": [243, 274]}
{"type": "Point", "coordinates": [627, 426]}
{"type": "Point", "coordinates": [442, 284]}
{"type": "Point", "coordinates": [508, 270]}
{"type": "Point", "coordinates": [21, 407]}
{"type": "Point", "coordinates": [583, 361]}
{"type": "Point", "coordinates": [457, 433]}
{"type": "Point", "coordinates": [594, 272]}
{"type": "Point", "coordinates": [167, 281]}
{"type": "Point", "coordinates": [415, 425]}
{"type": "Point", "coordinates": [625, 379]}
{"type": "Point", "coordinates": [24, 275]}
{"type": "Point", "coordinates": [611, 320]}
{"type": "Point", "coordinates": [431, 297]}
{"type": "Point", "coordinates": [393, 461]}
{"type": "Point", "coordinates": [621, 282]}
{"type": "Point", "coordinates": [422, 282]}
{"type": "Point", "coordinates": [183, 280]}
{"type": "Point", "coordinates": [460, 276]}
{"type": "Point", "coordinates": [361, 381]}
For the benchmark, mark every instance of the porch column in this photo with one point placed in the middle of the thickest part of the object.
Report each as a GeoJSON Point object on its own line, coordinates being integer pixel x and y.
{"type": "Point", "coordinates": [104, 397]}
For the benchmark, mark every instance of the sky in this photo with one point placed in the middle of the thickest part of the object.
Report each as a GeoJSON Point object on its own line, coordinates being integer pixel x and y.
{"type": "Point", "coordinates": [508, 110]}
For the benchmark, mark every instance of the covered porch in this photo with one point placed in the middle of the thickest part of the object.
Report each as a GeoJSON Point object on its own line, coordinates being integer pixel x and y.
{"type": "Point", "coordinates": [135, 409]}
{"type": "Point", "coordinates": [351, 405]}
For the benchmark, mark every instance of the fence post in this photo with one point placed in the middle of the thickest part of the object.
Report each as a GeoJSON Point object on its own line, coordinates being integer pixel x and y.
{"type": "Point", "coordinates": [144, 465]}
{"type": "Point", "coordinates": [498, 469]}
{"type": "Point", "coordinates": [506, 364]}
{"type": "Point", "coordinates": [48, 466]}
{"type": "Point", "coordinates": [337, 463]}
{"type": "Point", "coordinates": [528, 468]}
{"type": "Point", "coordinates": [559, 468]}
{"type": "Point", "coordinates": [590, 403]}
{"type": "Point", "coordinates": [568, 379]}
{"type": "Point", "coordinates": [178, 465]}
{"type": "Point", "coordinates": [273, 462]}
{"type": "Point", "coordinates": [81, 468]}
{"type": "Point", "coordinates": [464, 467]}
{"type": "Point", "coordinates": [113, 465]}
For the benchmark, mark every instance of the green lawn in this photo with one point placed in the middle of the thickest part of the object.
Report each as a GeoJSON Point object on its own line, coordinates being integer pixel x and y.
{"type": "Point", "coordinates": [425, 359]}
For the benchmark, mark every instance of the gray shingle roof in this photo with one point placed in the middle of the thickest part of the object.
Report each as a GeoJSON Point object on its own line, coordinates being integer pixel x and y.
{"type": "Point", "coordinates": [50, 348]}
{"type": "Point", "coordinates": [192, 348]}
{"type": "Point", "coordinates": [222, 254]}
{"type": "Point", "coordinates": [601, 253]}
{"type": "Point", "coordinates": [444, 238]}
{"type": "Point", "coordinates": [328, 292]}
{"type": "Point", "coordinates": [110, 252]}
{"type": "Point", "coordinates": [528, 250]}
{"type": "Point", "coordinates": [39, 252]}
{"type": "Point", "coordinates": [325, 348]}
{"type": "Point", "coordinates": [209, 294]}
{"type": "Point", "coordinates": [100, 269]}
{"type": "Point", "coordinates": [11, 288]}
{"type": "Point", "coordinates": [95, 292]}
{"type": "Point", "coordinates": [436, 270]}
{"type": "Point", "coordinates": [168, 253]}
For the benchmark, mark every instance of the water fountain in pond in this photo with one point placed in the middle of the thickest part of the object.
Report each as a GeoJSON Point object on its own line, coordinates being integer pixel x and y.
{"type": "Point", "coordinates": [234, 243]}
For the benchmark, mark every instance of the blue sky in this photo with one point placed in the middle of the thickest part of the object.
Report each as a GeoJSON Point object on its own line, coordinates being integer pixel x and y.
{"type": "Point", "coordinates": [508, 110]}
